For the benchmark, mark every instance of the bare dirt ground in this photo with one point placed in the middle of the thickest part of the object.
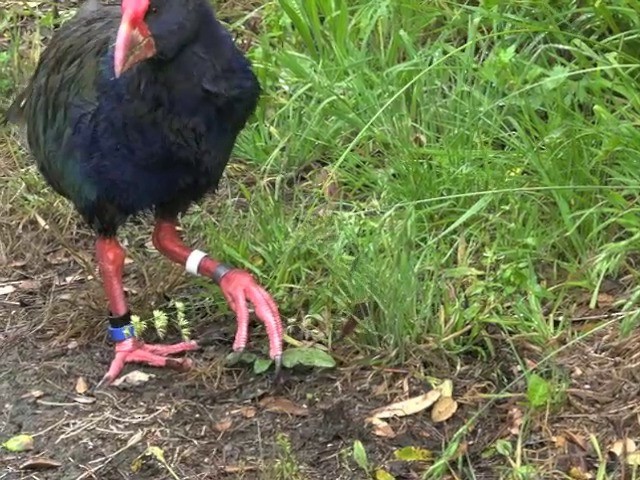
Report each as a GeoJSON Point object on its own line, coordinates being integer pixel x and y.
{"type": "Point", "coordinates": [211, 423]}
{"type": "Point", "coordinates": [220, 422]}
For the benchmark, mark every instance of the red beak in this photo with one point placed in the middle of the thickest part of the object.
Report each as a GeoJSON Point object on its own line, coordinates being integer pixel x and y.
{"type": "Point", "coordinates": [134, 44]}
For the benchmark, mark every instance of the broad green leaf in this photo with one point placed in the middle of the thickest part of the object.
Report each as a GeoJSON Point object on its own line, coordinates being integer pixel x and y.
{"type": "Point", "coordinates": [504, 448]}
{"type": "Point", "coordinates": [241, 357]}
{"type": "Point", "coordinates": [413, 454]}
{"type": "Point", "coordinates": [360, 455]}
{"type": "Point", "coordinates": [261, 365]}
{"type": "Point", "coordinates": [19, 443]}
{"type": "Point", "coordinates": [311, 357]}
{"type": "Point", "coordinates": [538, 390]}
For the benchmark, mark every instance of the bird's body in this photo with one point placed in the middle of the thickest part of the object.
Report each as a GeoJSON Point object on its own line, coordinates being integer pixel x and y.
{"type": "Point", "coordinates": [158, 137]}
{"type": "Point", "coordinates": [138, 108]}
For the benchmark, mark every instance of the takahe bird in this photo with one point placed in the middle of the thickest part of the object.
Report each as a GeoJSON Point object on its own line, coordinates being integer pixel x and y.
{"type": "Point", "coordinates": [137, 108]}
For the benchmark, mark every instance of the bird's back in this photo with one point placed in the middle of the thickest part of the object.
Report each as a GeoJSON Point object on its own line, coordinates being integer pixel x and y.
{"type": "Point", "coordinates": [63, 88]}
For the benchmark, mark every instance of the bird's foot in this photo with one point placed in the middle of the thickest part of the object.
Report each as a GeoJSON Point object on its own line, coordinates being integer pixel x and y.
{"type": "Point", "coordinates": [239, 287]}
{"type": "Point", "coordinates": [133, 350]}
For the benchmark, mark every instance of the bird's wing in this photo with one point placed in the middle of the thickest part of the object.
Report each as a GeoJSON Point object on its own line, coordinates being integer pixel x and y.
{"type": "Point", "coordinates": [88, 16]}
{"type": "Point", "coordinates": [63, 94]}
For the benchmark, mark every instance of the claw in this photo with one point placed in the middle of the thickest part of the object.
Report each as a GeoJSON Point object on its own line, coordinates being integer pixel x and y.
{"type": "Point", "coordinates": [278, 361]}
{"type": "Point", "coordinates": [278, 377]}
{"type": "Point", "coordinates": [240, 288]}
{"type": "Point", "coordinates": [105, 380]}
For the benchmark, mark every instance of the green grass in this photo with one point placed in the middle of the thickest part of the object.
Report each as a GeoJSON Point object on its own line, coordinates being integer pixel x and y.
{"type": "Point", "coordinates": [440, 170]}
{"type": "Point", "coordinates": [441, 167]}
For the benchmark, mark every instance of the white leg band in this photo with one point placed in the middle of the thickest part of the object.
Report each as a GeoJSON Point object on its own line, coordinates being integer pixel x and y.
{"type": "Point", "coordinates": [193, 262]}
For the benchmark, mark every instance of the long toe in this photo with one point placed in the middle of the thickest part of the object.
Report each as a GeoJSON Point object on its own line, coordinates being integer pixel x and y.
{"type": "Point", "coordinates": [164, 350]}
{"type": "Point", "coordinates": [143, 356]}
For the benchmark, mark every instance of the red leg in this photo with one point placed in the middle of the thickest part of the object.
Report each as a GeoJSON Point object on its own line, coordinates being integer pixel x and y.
{"type": "Point", "coordinates": [238, 287]}
{"type": "Point", "coordinates": [111, 256]}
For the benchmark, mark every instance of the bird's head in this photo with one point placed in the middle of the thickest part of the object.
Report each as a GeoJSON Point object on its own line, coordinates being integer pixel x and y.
{"type": "Point", "coordinates": [155, 29]}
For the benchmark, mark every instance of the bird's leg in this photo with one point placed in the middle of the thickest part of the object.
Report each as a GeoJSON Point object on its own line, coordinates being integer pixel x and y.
{"type": "Point", "coordinates": [238, 287]}
{"type": "Point", "coordinates": [129, 349]}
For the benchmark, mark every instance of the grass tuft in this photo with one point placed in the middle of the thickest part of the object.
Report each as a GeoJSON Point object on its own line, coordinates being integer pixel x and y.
{"type": "Point", "coordinates": [438, 169]}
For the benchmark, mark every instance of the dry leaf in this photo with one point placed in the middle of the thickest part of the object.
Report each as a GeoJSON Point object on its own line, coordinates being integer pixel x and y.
{"type": "Point", "coordinates": [7, 289]}
{"type": "Point", "coordinates": [81, 385]}
{"type": "Point", "coordinates": [223, 426]}
{"type": "Point", "coordinates": [577, 439]}
{"type": "Point", "coordinates": [410, 406]}
{"type": "Point", "coordinates": [576, 473]}
{"type": "Point", "coordinates": [381, 428]}
{"type": "Point", "coordinates": [40, 464]}
{"type": "Point", "coordinates": [515, 420]}
{"type": "Point", "coordinates": [283, 405]}
{"type": "Point", "coordinates": [605, 300]}
{"type": "Point", "coordinates": [560, 441]}
{"type": "Point", "coordinates": [29, 285]}
{"type": "Point", "coordinates": [246, 412]}
{"type": "Point", "coordinates": [620, 447]}
{"type": "Point", "coordinates": [444, 409]}
{"type": "Point", "coordinates": [133, 379]}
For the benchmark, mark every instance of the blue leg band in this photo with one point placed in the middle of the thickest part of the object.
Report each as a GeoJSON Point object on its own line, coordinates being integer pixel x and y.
{"type": "Point", "coordinates": [121, 333]}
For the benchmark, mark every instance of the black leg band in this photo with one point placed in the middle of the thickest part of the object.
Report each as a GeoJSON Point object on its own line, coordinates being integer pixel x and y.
{"type": "Point", "coordinates": [119, 322]}
{"type": "Point", "coordinates": [220, 271]}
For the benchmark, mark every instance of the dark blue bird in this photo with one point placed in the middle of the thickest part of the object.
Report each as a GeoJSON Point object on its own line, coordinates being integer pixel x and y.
{"type": "Point", "coordinates": [137, 109]}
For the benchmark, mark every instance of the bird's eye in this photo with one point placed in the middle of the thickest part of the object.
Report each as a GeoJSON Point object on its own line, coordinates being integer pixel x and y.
{"type": "Point", "coordinates": [154, 10]}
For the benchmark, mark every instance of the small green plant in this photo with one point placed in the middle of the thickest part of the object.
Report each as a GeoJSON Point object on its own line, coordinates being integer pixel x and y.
{"type": "Point", "coordinates": [155, 453]}
{"type": "Point", "coordinates": [160, 322]}
{"type": "Point", "coordinates": [286, 466]}
{"type": "Point", "coordinates": [517, 469]}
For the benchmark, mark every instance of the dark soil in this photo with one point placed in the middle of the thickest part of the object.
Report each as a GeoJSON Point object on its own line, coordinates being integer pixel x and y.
{"type": "Point", "coordinates": [214, 422]}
